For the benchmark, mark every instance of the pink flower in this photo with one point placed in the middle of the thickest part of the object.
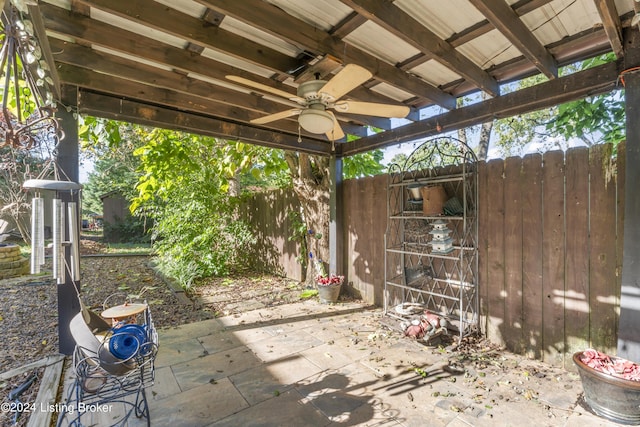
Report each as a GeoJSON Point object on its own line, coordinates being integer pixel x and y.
{"type": "Point", "coordinates": [330, 280]}
{"type": "Point", "coordinates": [614, 366]}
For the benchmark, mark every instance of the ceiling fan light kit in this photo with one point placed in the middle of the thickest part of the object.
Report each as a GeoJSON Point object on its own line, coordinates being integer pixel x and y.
{"type": "Point", "coordinates": [316, 120]}
{"type": "Point", "coordinates": [317, 97]}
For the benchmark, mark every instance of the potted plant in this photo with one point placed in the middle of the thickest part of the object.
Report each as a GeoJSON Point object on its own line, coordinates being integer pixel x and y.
{"type": "Point", "coordinates": [611, 385]}
{"type": "Point", "coordinates": [329, 285]}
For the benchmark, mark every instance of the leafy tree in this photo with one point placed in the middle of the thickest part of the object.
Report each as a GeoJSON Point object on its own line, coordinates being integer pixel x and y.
{"type": "Point", "coordinates": [16, 166]}
{"type": "Point", "coordinates": [115, 167]}
{"type": "Point", "coordinates": [594, 119]}
{"type": "Point", "coordinates": [185, 187]}
{"type": "Point", "coordinates": [399, 159]}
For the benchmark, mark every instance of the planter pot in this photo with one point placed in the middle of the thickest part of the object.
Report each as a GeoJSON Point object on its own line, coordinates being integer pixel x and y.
{"type": "Point", "coordinates": [433, 199]}
{"type": "Point", "coordinates": [616, 399]}
{"type": "Point", "coordinates": [414, 191]}
{"type": "Point", "coordinates": [329, 293]}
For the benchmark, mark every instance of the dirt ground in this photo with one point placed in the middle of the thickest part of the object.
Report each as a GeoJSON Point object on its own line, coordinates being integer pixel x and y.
{"type": "Point", "coordinates": [29, 316]}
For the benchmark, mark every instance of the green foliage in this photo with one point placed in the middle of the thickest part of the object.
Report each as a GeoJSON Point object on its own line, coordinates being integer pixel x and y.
{"type": "Point", "coordinates": [513, 133]}
{"type": "Point", "coordinates": [127, 230]}
{"type": "Point", "coordinates": [309, 293]}
{"type": "Point", "coordinates": [399, 159]}
{"type": "Point", "coordinates": [183, 187]}
{"type": "Point", "coordinates": [195, 235]}
{"type": "Point", "coordinates": [594, 119]}
{"type": "Point", "coordinates": [363, 164]}
{"type": "Point", "coordinates": [115, 168]}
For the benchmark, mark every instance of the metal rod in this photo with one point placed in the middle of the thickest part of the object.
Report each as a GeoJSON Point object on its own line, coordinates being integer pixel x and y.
{"type": "Point", "coordinates": [74, 240]}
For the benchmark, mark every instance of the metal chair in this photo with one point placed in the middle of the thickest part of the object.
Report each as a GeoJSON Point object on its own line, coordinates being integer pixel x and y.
{"type": "Point", "coordinates": [113, 366]}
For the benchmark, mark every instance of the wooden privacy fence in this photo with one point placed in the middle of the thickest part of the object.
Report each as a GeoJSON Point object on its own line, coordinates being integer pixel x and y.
{"type": "Point", "coordinates": [551, 251]}
{"type": "Point", "coordinates": [550, 247]}
{"type": "Point", "coordinates": [269, 217]}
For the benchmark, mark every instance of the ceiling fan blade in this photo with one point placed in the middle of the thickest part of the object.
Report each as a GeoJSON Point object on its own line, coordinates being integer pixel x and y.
{"type": "Point", "coordinates": [337, 132]}
{"type": "Point", "coordinates": [371, 109]}
{"type": "Point", "coordinates": [263, 87]}
{"type": "Point", "coordinates": [277, 116]}
{"type": "Point", "coordinates": [347, 79]}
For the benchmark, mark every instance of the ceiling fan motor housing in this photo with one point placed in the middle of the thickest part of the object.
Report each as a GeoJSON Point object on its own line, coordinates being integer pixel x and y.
{"type": "Point", "coordinates": [309, 90]}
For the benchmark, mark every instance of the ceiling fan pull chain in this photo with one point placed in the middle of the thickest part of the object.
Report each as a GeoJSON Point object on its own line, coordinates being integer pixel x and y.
{"type": "Point", "coordinates": [299, 137]}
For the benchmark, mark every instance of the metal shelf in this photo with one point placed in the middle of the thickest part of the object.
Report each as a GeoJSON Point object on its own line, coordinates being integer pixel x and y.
{"type": "Point", "coordinates": [444, 283]}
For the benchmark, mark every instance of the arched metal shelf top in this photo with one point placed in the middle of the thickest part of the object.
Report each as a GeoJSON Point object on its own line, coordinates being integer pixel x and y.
{"type": "Point", "coordinates": [436, 155]}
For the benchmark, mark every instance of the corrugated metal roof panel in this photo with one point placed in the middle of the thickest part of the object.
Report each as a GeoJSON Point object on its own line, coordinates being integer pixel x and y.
{"type": "Point", "coordinates": [392, 92]}
{"type": "Point", "coordinates": [236, 62]}
{"type": "Point", "coordinates": [435, 73]}
{"type": "Point", "coordinates": [489, 49]}
{"type": "Point", "coordinates": [321, 14]}
{"type": "Point", "coordinates": [132, 58]}
{"type": "Point", "coordinates": [188, 7]}
{"type": "Point", "coordinates": [560, 19]}
{"type": "Point", "coordinates": [134, 27]}
{"type": "Point", "coordinates": [240, 28]}
{"type": "Point", "coordinates": [380, 43]}
{"type": "Point", "coordinates": [436, 15]}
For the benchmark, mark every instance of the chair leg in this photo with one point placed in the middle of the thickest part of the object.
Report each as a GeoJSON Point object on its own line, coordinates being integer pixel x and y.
{"type": "Point", "coordinates": [142, 406]}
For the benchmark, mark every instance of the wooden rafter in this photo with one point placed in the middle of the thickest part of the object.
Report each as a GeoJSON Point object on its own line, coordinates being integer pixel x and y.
{"type": "Point", "coordinates": [262, 15]}
{"type": "Point", "coordinates": [611, 23]}
{"type": "Point", "coordinates": [398, 22]}
{"type": "Point", "coordinates": [509, 24]}
{"type": "Point", "coordinates": [593, 81]}
{"type": "Point", "coordinates": [152, 115]}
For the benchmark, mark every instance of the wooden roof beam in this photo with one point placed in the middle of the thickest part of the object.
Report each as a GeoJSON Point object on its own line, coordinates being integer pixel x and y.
{"type": "Point", "coordinates": [593, 81]}
{"type": "Point", "coordinates": [412, 32]}
{"type": "Point", "coordinates": [169, 20]}
{"type": "Point", "coordinates": [262, 15]}
{"type": "Point", "coordinates": [500, 14]}
{"type": "Point", "coordinates": [117, 108]}
{"type": "Point", "coordinates": [612, 25]}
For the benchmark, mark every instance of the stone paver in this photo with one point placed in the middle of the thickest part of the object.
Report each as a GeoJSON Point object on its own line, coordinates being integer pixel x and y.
{"type": "Point", "coordinates": [309, 364]}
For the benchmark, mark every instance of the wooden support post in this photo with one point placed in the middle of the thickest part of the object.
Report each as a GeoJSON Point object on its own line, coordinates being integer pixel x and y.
{"type": "Point", "coordinates": [628, 331]}
{"type": "Point", "coordinates": [68, 162]}
{"type": "Point", "coordinates": [336, 234]}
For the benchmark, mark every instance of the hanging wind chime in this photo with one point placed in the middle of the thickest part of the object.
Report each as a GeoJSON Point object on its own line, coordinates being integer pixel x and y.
{"type": "Point", "coordinates": [64, 229]}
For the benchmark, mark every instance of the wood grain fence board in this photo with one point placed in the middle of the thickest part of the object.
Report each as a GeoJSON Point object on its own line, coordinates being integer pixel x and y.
{"type": "Point", "coordinates": [576, 307]}
{"type": "Point", "coordinates": [362, 251]}
{"type": "Point", "coordinates": [553, 261]}
{"type": "Point", "coordinates": [495, 251]}
{"type": "Point", "coordinates": [350, 221]}
{"type": "Point", "coordinates": [483, 281]}
{"type": "Point", "coordinates": [602, 257]}
{"type": "Point", "coordinates": [513, 195]}
{"type": "Point", "coordinates": [621, 162]}
{"type": "Point", "coordinates": [379, 226]}
{"type": "Point", "coordinates": [532, 254]}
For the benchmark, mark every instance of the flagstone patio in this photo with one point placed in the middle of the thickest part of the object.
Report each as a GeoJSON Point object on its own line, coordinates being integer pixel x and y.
{"type": "Point", "coordinates": [308, 364]}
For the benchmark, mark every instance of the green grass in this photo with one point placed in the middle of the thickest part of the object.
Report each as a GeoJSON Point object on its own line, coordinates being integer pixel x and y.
{"type": "Point", "coordinates": [129, 248]}
{"type": "Point", "coordinates": [309, 293]}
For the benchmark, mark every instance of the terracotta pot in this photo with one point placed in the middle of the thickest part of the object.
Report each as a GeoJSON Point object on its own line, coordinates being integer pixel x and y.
{"type": "Point", "coordinates": [433, 199]}
{"type": "Point", "coordinates": [616, 399]}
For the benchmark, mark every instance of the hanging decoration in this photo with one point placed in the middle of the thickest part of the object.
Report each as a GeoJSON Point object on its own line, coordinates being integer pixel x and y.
{"type": "Point", "coordinates": [27, 113]}
{"type": "Point", "coordinates": [65, 227]}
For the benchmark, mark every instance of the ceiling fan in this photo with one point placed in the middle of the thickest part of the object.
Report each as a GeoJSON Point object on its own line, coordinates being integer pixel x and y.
{"type": "Point", "coordinates": [317, 97]}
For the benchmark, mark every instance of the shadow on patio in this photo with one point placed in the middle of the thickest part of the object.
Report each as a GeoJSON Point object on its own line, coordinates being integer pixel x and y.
{"type": "Point", "coordinates": [307, 364]}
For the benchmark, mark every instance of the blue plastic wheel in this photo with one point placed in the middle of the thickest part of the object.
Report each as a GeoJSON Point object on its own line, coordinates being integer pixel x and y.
{"type": "Point", "coordinates": [127, 340]}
